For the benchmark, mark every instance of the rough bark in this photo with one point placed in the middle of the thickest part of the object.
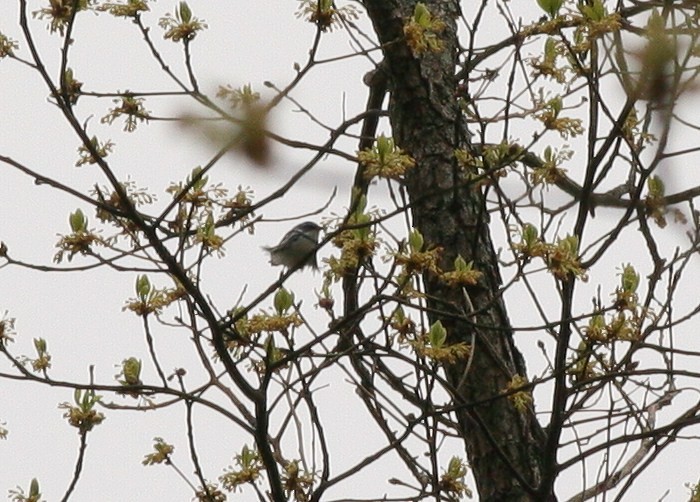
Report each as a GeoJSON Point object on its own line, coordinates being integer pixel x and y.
{"type": "Point", "coordinates": [503, 444]}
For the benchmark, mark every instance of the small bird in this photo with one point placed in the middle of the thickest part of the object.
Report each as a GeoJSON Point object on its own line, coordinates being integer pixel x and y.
{"type": "Point", "coordinates": [297, 248]}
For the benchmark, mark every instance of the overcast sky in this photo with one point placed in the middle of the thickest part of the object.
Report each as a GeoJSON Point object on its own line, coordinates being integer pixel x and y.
{"type": "Point", "coordinates": [80, 314]}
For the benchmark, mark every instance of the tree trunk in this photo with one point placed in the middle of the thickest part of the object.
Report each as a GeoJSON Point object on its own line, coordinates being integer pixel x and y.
{"type": "Point", "coordinates": [504, 445]}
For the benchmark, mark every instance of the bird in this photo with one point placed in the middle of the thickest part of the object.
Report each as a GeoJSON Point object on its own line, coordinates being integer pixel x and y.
{"type": "Point", "coordinates": [297, 248]}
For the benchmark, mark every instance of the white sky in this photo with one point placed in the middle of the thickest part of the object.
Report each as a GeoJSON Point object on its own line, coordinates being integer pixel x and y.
{"type": "Point", "coordinates": [80, 314]}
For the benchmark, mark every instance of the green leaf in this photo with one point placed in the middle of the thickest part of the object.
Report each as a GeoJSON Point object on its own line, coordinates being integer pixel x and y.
{"type": "Point", "coordinates": [270, 346]}
{"type": "Point", "coordinates": [143, 287]}
{"type": "Point", "coordinates": [201, 182]}
{"type": "Point", "coordinates": [530, 233]}
{"type": "Point", "coordinates": [550, 50]}
{"type": "Point", "coordinates": [78, 221]}
{"type": "Point", "coordinates": [597, 322]}
{"type": "Point", "coordinates": [361, 219]}
{"type": "Point", "coordinates": [185, 12]}
{"type": "Point", "coordinates": [629, 279]}
{"type": "Point", "coordinates": [283, 300]}
{"type": "Point", "coordinates": [209, 226]}
{"type": "Point", "coordinates": [656, 186]}
{"type": "Point", "coordinates": [385, 146]}
{"type": "Point", "coordinates": [456, 469]}
{"type": "Point", "coordinates": [551, 7]}
{"type": "Point", "coordinates": [34, 492]}
{"type": "Point", "coordinates": [131, 369]}
{"type": "Point", "coordinates": [40, 345]}
{"type": "Point", "coordinates": [594, 11]}
{"type": "Point", "coordinates": [415, 241]}
{"type": "Point", "coordinates": [556, 105]}
{"type": "Point", "coordinates": [437, 335]}
{"type": "Point", "coordinates": [421, 14]}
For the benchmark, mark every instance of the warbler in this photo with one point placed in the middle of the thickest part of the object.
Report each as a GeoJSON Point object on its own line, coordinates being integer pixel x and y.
{"type": "Point", "coordinates": [297, 248]}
